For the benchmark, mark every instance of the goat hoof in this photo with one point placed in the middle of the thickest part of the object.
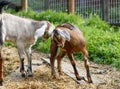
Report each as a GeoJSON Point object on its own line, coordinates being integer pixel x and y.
{"type": "Point", "coordinates": [60, 73]}
{"type": "Point", "coordinates": [53, 77]}
{"type": "Point", "coordinates": [30, 75]}
{"type": "Point", "coordinates": [23, 75]}
{"type": "Point", "coordinates": [1, 82]}
{"type": "Point", "coordinates": [90, 81]}
{"type": "Point", "coordinates": [80, 78]}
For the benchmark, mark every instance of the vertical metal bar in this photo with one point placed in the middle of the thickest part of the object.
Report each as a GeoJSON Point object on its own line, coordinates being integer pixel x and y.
{"type": "Point", "coordinates": [47, 4]}
{"type": "Point", "coordinates": [88, 8]}
{"type": "Point", "coordinates": [104, 9]}
{"type": "Point", "coordinates": [119, 11]}
{"type": "Point", "coordinates": [110, 11]}
{"type": "Point", "coordinates": [85, 8]}
{"type": "Point", "coordinates": [99, 9]}
{"type": "Point", "coordinates": [93, 6]}
{"type": "Point", "coordinates": [115, 11]}
{"type": "Point", "coordinates": [80, 7]}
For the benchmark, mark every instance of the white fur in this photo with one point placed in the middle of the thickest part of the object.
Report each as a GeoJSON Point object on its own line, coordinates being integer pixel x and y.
{"type": "Point", "coordinates": [64, 34]}
{"type": "Point", "coordinates": [39, 32]}
{"type": "Point", "coordinates": [50, 31]}
{"type": "Point", "coordinates": [24, 32]}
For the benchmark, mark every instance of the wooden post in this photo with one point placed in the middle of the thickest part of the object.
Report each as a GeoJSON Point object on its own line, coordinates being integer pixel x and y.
{"type": "Point", "coordinates": [24, 4]}
{"type": "Point", "coordinates": [104, 6]}
{"type": "Point", "coordinates": [71, 6]}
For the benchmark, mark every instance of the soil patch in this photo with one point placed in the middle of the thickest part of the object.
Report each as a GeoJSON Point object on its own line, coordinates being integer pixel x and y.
{"type": "Point", "coordinates": [43, 80]}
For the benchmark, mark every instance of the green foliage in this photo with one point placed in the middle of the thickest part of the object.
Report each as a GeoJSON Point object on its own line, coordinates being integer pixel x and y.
{"type": "Point", "coordinates": [9, 44]}
{"type": "Point", "coordinates": [102, 40]}
{"type": "Point", "coordinates": [58, 17]}
{"type": "Point", "coordinates": [103, 45]}
{"type": "Point", "coordinates": [95, 21]}
{"type": "Point", "coordinates": [42, 46]}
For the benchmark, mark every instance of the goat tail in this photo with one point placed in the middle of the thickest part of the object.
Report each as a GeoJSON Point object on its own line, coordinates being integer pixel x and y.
{"type": "Point", "coordinates": [3, 3]}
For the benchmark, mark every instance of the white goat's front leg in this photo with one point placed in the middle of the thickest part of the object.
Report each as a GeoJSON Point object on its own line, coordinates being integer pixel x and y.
{"type": "Point", "coordinates": [21, 55]}
{"type": "Point", "coordinates": [28, 53]}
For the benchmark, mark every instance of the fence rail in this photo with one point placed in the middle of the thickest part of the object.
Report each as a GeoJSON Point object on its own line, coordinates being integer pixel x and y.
{"type": "Point", "coordinates": [108, 10]}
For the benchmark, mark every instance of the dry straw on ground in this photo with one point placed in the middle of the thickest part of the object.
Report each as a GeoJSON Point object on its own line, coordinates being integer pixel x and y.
{"type": "Point", "coordinates": [43, 80]}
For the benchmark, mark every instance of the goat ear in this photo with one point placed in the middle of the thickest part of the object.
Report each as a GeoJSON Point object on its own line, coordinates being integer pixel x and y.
{"type": "Point", "coordinates": [65, 34]}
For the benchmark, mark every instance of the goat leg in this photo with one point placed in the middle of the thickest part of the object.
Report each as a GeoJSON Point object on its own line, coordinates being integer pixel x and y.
{"type": "Point", "coordinates": [74, 67]}
{"type": "Point", "coordinates": [22, 67]}
{"type": "Point", "coordinates": [87, 70]}
{"type": "Point", "coordinates": [1, 68]}
{"type": "Point", "coordinates": [53, 52]}
{"type": "Point", "coordinates": [59, 60]}
{"type": "Point", "coordinates": [29, 54]}
{"type": "Point", "coordinates": [86, 63]}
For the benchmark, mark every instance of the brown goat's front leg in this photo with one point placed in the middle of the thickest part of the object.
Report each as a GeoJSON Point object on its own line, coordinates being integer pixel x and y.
{"type": "Point", "coordinates": [74, 66]}
{"type": "Point", "coordinates": [86, 63]}
{"type": "Point", "coordinates": [1, 68]}
{"type": "Point", "coordinates": [53, 52]}
{"type": "Point", "coordinates": [59, 60]}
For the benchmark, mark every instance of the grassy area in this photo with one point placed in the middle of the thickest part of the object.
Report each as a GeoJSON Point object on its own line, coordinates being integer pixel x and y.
{"type": "Point", "coordinates": [101, 39]}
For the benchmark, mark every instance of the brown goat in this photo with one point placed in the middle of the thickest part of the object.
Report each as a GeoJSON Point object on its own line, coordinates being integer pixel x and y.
{"type": "Point", "coordinates": [69, 39]}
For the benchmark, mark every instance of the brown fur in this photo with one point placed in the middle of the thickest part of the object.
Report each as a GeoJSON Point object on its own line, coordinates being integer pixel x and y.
{"type": "Point", "coordinates": [76, 44]}
{"type": "Point", "coordinates": [69, 26]}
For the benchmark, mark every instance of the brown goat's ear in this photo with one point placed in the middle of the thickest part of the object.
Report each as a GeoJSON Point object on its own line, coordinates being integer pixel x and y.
{"type": "Point", "coordinates": [65, 34]}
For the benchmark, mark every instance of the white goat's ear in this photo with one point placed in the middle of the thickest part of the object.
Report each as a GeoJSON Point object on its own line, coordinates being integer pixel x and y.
{"type": "Point", "coordinates": [52, 34]}
{"type": "Point", "coordinates": [65, 34]}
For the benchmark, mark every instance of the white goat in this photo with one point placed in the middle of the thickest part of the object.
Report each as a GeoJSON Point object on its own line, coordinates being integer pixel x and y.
{"type": "Point", "coordinates": [24, 32]}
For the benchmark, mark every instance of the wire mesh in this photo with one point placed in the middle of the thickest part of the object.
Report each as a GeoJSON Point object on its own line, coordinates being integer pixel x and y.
{"type": "Point", "coordinates": [82, 7]}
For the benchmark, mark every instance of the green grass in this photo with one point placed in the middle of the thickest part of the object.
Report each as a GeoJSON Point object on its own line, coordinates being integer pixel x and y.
{"type": "Point", "coordinates": [102, 40]}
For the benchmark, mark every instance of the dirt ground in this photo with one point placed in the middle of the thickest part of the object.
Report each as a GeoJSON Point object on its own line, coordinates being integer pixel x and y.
{"type": "Point", "coordinates": [43, 80]}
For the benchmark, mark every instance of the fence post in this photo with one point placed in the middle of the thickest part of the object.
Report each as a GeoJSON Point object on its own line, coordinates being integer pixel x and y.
{"type": "Point", "coordinates": [70, 6]}
{"type": "Point", "coordinates": [104, 7]}
{"type": "Point", "coordinates": [24, 4]}
{"type": "Point", "coordinates": [46, 4]}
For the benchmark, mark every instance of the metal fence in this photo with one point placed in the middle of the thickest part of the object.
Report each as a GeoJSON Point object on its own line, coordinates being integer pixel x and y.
{"type": "Point", "coordinates": [108, 10]}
